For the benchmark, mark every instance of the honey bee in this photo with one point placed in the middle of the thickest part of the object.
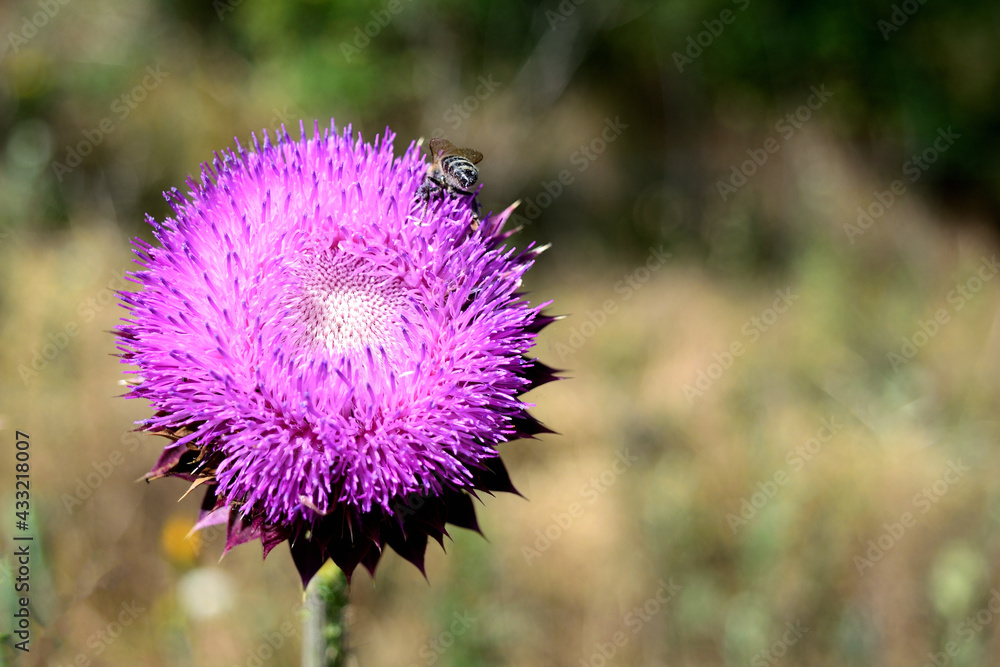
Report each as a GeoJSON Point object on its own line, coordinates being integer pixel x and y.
{"type": "Point", "coordinates": [452, 171]}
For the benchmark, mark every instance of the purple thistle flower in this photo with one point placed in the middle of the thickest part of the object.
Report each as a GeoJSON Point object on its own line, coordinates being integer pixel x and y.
{"type": "Point", "coordinates": [332, 359]}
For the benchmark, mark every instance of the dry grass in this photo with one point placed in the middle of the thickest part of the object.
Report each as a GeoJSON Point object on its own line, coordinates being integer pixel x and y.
{"type": "Point", "coordinates": [616, 534]}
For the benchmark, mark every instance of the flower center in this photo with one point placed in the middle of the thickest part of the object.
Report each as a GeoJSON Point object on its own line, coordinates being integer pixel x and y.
{"type": "Point", "coordinates": [344, 307]}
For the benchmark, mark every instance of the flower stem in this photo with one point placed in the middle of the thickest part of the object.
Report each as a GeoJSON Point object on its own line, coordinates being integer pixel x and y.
{"type": "Point", "coordinates": [324, 642]}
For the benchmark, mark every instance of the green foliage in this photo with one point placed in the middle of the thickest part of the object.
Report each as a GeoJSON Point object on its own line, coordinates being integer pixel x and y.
{"type": "Point", "coordinates": [236, 67]}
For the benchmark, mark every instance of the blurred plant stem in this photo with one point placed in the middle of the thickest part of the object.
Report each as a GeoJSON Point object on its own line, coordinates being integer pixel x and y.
{"type": "Point", "coordinates": [324, 642]}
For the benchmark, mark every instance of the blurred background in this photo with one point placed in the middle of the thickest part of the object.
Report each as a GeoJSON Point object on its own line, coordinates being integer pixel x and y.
{"type": "Point", "coordinates": [775, 233]}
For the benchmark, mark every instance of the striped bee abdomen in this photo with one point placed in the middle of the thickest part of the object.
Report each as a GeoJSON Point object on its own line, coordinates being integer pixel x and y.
{"type": "Point", "coordinates": [461, 169]}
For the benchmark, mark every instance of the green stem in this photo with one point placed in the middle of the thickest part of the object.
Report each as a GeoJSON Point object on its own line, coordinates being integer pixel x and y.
{"type": "Point", "coordinates": [324, 642]}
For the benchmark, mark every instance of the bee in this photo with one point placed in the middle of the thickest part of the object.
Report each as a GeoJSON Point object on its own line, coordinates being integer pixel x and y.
{"type": "Point", "coordinates": [452, 171]}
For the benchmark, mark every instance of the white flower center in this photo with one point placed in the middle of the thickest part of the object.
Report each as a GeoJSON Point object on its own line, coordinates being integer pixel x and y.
{"type": "Point", "coordinates": [344, 308]}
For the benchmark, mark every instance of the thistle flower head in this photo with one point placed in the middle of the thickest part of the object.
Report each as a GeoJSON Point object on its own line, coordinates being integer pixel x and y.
{"type": "Point", "coordinates": [334, 359]}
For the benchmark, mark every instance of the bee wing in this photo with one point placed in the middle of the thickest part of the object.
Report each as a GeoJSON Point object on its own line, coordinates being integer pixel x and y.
{"type": "Point", "coordinates": [440, 147]}
{"type": "Point", "coordinates": [473, 156]}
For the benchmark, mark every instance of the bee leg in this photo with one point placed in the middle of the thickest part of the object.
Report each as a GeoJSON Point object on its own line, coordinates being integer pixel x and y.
{"type": "Point", "coordinates": [474, 206]}
{"type": "Point", "coordinates": [427, 207]}
{"type": "Point", "coordinates": [425, 189]}
{"type": "Point", "coordinates": [476, 213]}
{"type": "Point", "coordinates": [425, 193]}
